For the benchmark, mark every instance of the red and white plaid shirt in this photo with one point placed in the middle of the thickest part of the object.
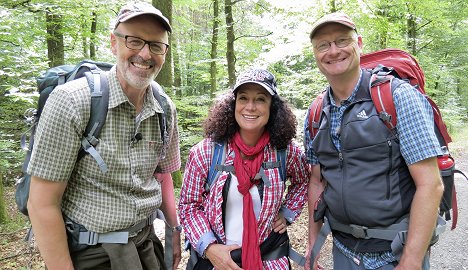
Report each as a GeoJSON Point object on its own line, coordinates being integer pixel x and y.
{"type": "Point", "coordinates": [201, 213]}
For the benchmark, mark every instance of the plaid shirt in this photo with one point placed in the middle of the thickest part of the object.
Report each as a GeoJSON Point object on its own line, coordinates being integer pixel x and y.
{"type": "Point", "coordinates": [201, 213]}
{"type": "Point", "coordinates": [417, 142]}
{"type": "Point", "coordinates": [128, 192]}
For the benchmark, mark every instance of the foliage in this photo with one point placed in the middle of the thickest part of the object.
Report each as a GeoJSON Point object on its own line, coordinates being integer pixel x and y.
{"type": "Point", "coordinates": [177, 179]}
{"type": "Point", "coordinates": [12, 127]}
{"type": "Point", "coordinates": [268, 33]}
{"type": "Point", "coordinates": [191, 112]}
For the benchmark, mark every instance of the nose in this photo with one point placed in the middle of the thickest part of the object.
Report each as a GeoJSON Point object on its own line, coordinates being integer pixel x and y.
{"type": "Point", "coordinates": [333, 48]}
{"type": "Point", "coordinates": [145, 52]}
{"type": "Point", "coordinates": [250, 105]}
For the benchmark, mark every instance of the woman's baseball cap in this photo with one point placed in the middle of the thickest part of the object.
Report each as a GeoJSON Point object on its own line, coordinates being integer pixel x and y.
{"type": "Point", "coordinates": [261, 77]}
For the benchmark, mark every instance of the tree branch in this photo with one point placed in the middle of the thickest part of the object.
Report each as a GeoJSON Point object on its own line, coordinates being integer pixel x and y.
{"type": "Point", "coordinates": [11, 42]}
{"type": "Point", "coordinates": [253, 36]}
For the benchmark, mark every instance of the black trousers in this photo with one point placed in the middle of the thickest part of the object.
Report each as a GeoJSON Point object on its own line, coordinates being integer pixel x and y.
{"type": "Point", "coordinates": [142, 252]}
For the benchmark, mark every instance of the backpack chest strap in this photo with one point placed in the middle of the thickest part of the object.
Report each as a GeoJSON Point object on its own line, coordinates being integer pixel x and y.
{"type": "Point", "coordinates": [260, 175]}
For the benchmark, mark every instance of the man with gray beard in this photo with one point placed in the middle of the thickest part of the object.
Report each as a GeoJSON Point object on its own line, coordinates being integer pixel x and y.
{"type": "Point", "coordinates": [72, 198]}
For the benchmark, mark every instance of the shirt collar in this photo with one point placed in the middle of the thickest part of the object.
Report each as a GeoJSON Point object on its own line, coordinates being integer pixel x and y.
{"type": "Point", "coordinates": [351, 97]}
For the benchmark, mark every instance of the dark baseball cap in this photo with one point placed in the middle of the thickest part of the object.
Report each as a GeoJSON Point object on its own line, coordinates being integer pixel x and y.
{"type": "Point", "coordinates": [336, 17]}
{"type": "Point", "coordinates": [261, 77]}
{"type": "Point", "coordinates": [132, 10]}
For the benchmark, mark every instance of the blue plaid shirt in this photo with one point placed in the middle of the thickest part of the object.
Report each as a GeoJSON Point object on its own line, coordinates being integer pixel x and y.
{"type": "Point", "coordinates": [415, 127]}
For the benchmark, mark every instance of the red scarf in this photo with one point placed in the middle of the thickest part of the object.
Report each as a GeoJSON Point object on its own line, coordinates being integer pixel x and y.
{"type": "Point", "coordinates": [245, 172]}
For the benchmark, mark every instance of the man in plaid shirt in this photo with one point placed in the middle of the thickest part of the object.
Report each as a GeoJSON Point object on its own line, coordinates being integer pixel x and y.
{"type": "Point", "coordinates": [116, 207]}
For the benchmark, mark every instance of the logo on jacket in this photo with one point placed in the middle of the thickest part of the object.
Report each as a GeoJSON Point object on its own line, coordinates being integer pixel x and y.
{"type": "Point", "coordinates": [362, 114]}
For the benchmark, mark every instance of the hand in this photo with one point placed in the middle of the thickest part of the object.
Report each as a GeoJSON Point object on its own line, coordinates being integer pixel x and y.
{"type": "Point", "coordinates": [176, 250]}
{"type": "Point", "coordinates": [316, 266]}
{"type": "Point", "coordinates": [408, 263]}
{"type": "Point", "coordinates": [279, 224]}
{"type": "Point", "coordinates": [220, 256]}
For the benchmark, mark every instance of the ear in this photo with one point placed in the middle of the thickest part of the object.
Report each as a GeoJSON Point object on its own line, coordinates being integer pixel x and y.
{"type": "Point", "coordinates": [113, 41]}
{"type": "Point", "coordinates": [359, 41]}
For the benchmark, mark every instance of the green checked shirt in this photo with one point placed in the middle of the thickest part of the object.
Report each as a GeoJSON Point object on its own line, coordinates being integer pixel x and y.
{"type": "Point", "coordinates": [128, 192]}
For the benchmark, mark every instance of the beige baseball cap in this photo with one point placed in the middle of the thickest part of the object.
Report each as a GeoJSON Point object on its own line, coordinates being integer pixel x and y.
{"type": "Point", "coordinates": [336, 17]}
{"type": "Point", "coordinates": [132, 10]}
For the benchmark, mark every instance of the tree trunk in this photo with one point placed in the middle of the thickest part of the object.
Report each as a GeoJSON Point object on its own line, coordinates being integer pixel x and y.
{"type": "Point", "coordinates": [165, 76]}
{"type": "Point", "coordinates": [214, 48]}
{"type": "Point", "coordinates": [177, 63]}
{"type": "Point", "coordinates": [92, 43]}
{"type": "Point", "coordinates": [230, 53]}
{"type": "Point", "coordinates": [3, 200]}
{"type": "Point", "coordinates": [84, 39]}
{"type": "Point", "coordinates": [333, 6]}
{"type": "Point", "coordinates": [55, 51]}
{"type": "Point", "coordinates": [411, 31]}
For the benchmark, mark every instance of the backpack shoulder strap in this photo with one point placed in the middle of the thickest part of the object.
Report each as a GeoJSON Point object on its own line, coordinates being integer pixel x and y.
{"type": "Point", "coordinates": [281, 157]}
{"type": "Point", "coordinates": [315, 110]}
{"type": "Point", "coordinates": [157, 90]}
{"type": "Point", "coordinates": [99, 87]}
{"type": "Point", "coordinates": [218, 156]}
{"type": "Point", "coordinates": [380, 88]}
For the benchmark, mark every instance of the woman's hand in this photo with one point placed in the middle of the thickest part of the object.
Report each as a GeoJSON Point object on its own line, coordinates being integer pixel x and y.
{"type": "Point", "coordinates": [316, 265]}
{"type": "Point", "coordinates": [220, 256]}
{"type": "Point", "coordinates": [279, 224]}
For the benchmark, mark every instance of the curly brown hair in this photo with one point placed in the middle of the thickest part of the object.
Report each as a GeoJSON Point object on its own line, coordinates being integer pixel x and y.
{"type": "Point", "coordinates": [221, 125]}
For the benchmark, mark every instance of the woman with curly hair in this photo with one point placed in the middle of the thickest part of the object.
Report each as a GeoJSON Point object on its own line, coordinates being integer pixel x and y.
{"type": "Point", "coordinates": [240, 221]}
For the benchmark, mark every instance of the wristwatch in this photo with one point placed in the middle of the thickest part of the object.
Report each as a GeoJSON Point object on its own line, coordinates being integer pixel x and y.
{"type": "Point", "coordinates": [177, 228]}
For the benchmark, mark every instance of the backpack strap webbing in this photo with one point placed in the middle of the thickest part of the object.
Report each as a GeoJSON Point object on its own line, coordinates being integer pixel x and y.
{"type": "Point", "coordinates": [280, 163]}
{"type": "Point", "coordinates": [441, 127]}
{"type": "Point", "coordinates": [218, 156]}
{"type": "Point", "coordinates": [397, 233]}
{"type": "Point", "coordinates": [281, 156]}
{"type": "Point", "coordinates": [162, 116]}
{"type": "Point", "coordinates": [315, 110]}
{"type": "Point", "coordinates": [454, 202]}
{"type": "Point", "coordinates": [99, 87]}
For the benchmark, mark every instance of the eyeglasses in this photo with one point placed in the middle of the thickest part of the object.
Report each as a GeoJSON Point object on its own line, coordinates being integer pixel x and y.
{"type": "Point", "coordinates": [136, 43]}
{"type": "Point", "coordinates": [324, 46]}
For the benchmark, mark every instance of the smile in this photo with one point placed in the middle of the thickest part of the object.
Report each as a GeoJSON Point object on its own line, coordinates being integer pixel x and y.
{"type": "Point", "coordinates": [336, 61]}
{"type": "Point", "coordinates": [142, 66]}
{"type": "Point", "coordinates": [250, 116]}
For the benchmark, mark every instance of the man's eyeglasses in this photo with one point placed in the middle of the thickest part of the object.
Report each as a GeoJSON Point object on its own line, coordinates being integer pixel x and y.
{"type": "Point", "coordinates": [136, 43]}
{"type": "Point", "coordinates": [324, 46]}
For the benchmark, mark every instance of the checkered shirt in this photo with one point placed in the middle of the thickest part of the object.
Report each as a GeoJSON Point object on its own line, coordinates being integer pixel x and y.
{"type": "Point", "coordinates": [415, 126]}
{"type": "Point", "coordinates": [128, 192]}
{"type": "Point", "coordinates": [201, 213]}
{"type": "Point", "coordinates": [416, 134]}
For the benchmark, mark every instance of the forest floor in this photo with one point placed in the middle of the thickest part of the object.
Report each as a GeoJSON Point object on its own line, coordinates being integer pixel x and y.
{"type": "Point", "coordinates": [448, 253]}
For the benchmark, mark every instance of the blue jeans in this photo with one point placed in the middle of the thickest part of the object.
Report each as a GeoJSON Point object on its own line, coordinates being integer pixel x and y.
{"type": "Point", "coordinates": [341, 262]}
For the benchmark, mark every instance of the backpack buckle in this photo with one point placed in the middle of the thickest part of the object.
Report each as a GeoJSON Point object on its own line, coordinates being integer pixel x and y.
{"type": "Point", "coordinates": [88, 238]}
{"type": "Point", "coordinates": [359, 231]}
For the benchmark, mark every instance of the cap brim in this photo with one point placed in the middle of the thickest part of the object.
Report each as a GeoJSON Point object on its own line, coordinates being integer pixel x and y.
{"type": "Point", "coordinates": [255, 82]}
{"type": "Point", "coordinates": [164, 22]}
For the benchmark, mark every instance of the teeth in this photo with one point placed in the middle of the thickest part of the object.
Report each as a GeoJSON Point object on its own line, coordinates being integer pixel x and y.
{"type": "Point", "coordinates": [250, 116]}
{"type": "Point", "coordinates": [141, 66]}
{"type": "Point", "coordinates": [336, 61]}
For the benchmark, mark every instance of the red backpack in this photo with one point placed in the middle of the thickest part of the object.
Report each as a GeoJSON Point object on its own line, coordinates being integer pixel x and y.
{"type": "Point", "coordinates": [385, 65]}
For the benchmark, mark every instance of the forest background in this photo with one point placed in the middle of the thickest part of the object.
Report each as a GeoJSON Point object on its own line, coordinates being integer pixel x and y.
{"type": "Point", "coordinates": [212, 41]}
